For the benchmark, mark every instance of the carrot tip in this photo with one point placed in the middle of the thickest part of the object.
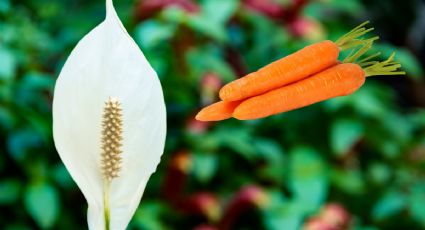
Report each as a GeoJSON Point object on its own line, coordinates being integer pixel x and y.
{"type": "Point", "coordinates": [226, 95]}
{"type": "Point", "coordinates": [217, 112]}
{"type": "Point", "coordinates": [205, 118]}
{"type": "Point", "coordinates": [198, 117]}
{"type": "Point", "coordinates": [203, 115]}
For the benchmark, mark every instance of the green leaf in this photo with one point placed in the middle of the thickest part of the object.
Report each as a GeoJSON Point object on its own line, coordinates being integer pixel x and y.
{"type": "Point", "coordinates": [8, 64]}
{"type": "Point", "coordinates": [308, 178]}
{"type": "Point", "coordinates": [148, 216]}
{"type": "Point", "coordinates": [389, 148]}
{"type": "Point", "coordinates": [277, 220]}
{"type": "Point", "coordinates": [32, 89]}
{"type": "Point", "coordinates": [320, 9]}
{"type": "Point", "coordinates": [4, 7]}
{"type": "Point", "coordinates": [174, 15]}
{"type": "Point", "coordinates": [350, 181]}
{"type": "Point", "coordinates": [38, 81]}
{"type": "Point", "coordinates": [42, 204]}
{"type": "Point", "coordinates": [281, 213]}
{"type": "Point", "coordinates": [372, 100]}
{"type": "Point", "coordinates": [202, 24]}
{"type": "Point", "coordinates": [274, 166]}
{"type": "Point", "coordinates": [206, 59]}
{"type": "Point", "coordinates": [238, 140]}
{"type": "Point", "coordinates": [211, 22]}
{"type": "Point", "coordinates": [268, 149]}
{"type": "Point", "coordinates": [7, 119]}
{"type": "Point", "coordinates": [21, 142]}
{"type": "Point", "coordinates": [344, 134]}
{"type": "Point", "coordinates": [416, 203]}
{"type": "Point", "coordinates": [226, 10]}
{"type": "Point", "coordinates": [205, 166]}
{"type": "Point", "coordinates": [152, 33]}
{"type": "Point", "coordinates": [62, 177]}
{"type": "Point", "coordinates": [40, 125]}
{"type": "Point", "coordinates": [268, 42]}
{"type": "Point", "coordinates": [402, 131]}
{"type": "Point", "coordinates": [417, 118]}
{"type": "Point", "coordinates": [391, 203]}
{"type": "Point", "coordinates": [349, 6]}
{"type": "Point", "coordinates": [9, 191]}
{"type": "Point", "coordinates": [379, 173]}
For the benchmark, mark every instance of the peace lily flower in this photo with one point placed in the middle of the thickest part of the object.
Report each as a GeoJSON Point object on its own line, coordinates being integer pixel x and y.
{"type": "Point", "coordinates": [109, 122]}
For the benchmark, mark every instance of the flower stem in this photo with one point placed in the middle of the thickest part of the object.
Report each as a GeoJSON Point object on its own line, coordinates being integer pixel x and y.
{"type": "Point", "coordinates": [106, 211]}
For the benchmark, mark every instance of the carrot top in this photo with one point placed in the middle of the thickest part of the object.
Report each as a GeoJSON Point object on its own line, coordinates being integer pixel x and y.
{"type": "Point", "coordinates": [354, 37]}
{"type": "Point", "coordinates": [359, 46]}
{"type": "Point", "coordinates": [370, 66]}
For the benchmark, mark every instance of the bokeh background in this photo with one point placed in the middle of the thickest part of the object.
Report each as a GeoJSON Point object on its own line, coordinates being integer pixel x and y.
{"type": "Point", "coordinates": [356, 162]}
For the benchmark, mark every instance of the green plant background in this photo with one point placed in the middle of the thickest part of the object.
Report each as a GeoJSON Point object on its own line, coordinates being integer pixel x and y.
{"type": "Point", "coordinates": [365, 151]}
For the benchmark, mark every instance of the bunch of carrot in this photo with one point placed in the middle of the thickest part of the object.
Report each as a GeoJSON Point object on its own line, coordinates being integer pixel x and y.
{"type": "Point", "coordinates": [308, 76]}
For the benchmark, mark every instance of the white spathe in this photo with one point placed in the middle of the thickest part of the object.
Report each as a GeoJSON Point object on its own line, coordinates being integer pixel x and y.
{"type": "Point", "coordinates": [108, 63]}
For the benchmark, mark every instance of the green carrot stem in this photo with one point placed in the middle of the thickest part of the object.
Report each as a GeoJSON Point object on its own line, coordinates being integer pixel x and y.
{"type": "Point", "coordinates": [387, 67]}
{"type": "Point", "coordinates": [353, 38]}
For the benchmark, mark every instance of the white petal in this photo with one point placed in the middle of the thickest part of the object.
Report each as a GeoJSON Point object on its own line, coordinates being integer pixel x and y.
{"type": "Point", "coordinates": [108, 63]}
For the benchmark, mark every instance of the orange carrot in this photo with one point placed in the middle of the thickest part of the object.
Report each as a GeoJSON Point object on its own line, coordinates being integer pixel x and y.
{"type": "Point", "coordinates": [218, 111]}
{"type": "Point", "coordinates": [299, 65]}
{"type": "Point", "coordinates": [339, 80]}
{"type": "Point", "coordinates": [310, 75]}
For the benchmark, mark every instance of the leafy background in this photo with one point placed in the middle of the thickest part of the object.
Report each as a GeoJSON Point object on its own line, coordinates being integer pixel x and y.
{"type": "Point", "coordinates": [348, 163]}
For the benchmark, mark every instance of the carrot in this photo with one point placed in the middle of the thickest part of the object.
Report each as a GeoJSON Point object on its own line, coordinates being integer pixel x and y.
{"type": "Point", "coordinates": [218, 111]}
{"type": "Point", "coordinates": [305, 84]}
{"type": "Point", "coordinates": [294, 67]}
{"type": "Point", "coordinates": [289, 69]}
{"type": "Point", "coordinates": [339, 80]}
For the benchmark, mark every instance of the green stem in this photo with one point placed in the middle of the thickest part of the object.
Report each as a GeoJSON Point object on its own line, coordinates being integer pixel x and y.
{"type": "Point", "coordinates": [106, 211]}
{"type": "Point", "coordinates": [358, 53]}
{"type": "Point", "coordinates": [360, 46]}
{"type": "Point", "coordinates": [354, 38]}
{"type": "Point", "coordinates": [387, 67]}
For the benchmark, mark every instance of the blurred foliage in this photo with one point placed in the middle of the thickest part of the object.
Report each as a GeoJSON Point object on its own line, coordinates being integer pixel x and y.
{"type": "Point", "coordinates": [365, 152]}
